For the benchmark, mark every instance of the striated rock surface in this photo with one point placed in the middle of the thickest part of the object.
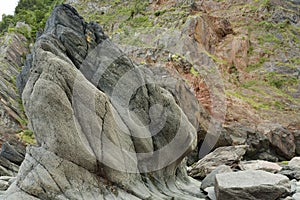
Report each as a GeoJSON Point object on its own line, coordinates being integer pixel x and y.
{"type": "Point", "coordinates": [13, 46]}
{"type": "Point", "coordinates": [104, 128]}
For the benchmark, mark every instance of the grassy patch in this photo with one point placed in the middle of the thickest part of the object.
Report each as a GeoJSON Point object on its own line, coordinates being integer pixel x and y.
{"type": "Point", "coordinates": [269, 37]}
{"type": "Point", "coordinates": [279, 80]}
{"type": "Point", "coordinates": [140, 21]}
{"type": "Point", "coordinates": [249, 84]}
{"type": "Point", "coordinates": [254, 101]}
{"type": "Point", "coordinates": [194, 71]}
{"type": "Point", "coordinates": [256, 65]}
{"type": "Point", "coordinates": [215, 58]}
{"type": "Point", "coordinates": [27, 136]}
{"type": "Point", "coordinates": [285, 162]}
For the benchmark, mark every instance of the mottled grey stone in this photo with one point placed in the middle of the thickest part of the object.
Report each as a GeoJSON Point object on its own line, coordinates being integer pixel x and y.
{"type": "Point", "coordinates": [251, 185]}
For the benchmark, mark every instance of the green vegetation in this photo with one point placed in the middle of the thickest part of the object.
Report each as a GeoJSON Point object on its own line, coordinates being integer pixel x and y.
{"type": "Point", "coordinates": [194, 72]}
{"type": "Point", "coordinates": [279, 80]}
{"type": "Point", "coordinates": [255, 101]}
{"type": "Point", "coordinates": [267, 92]}
{"type": "Point", "coordinates": [256, 65]}
{"type": "Point", "coordinates": [269, 37]}
{"type": "Point", "coordinates": [284, 162]}
{"type": "Point", "coordinates": [27, 136]}
{"type": "Point", "coordinates": [22, 30]}
{"type": "Point", "coordinates": [249, 84]}
{"type": "Point", "coordinates": [124, 14]}
{"type": "Point", "coordinates": [140, 21]}
{"type": "Point", "coordinates": [215, 58]}
{"type": "Point", "coordinates": [32, 12]}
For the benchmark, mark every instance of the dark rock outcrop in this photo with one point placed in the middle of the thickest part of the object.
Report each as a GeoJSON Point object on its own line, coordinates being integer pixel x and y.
{"type": "Point", "coordinates": [11, 157]}
{"type": "Point", "coordinates": [282, 141]}
{"type": "Point", "coordinates": [105, 129]}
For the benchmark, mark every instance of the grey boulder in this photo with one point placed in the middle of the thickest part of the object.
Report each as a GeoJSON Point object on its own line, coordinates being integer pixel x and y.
{"type": "Point", "coordinates": [230, 156]}
{"type": "Point", "coordinates": [209, 180]}
{"type": "Point", "coordinates": [251, 185]}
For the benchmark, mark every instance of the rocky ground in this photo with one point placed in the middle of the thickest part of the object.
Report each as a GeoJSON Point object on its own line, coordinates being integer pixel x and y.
{"type": "Point", "coordinates": [233, 68]}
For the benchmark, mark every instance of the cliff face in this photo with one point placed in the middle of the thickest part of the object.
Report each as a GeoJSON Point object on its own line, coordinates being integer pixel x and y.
{"type": "Point", "coordinates": [239, 57]}
{"type": "Point", "coordinates": [252, 45]}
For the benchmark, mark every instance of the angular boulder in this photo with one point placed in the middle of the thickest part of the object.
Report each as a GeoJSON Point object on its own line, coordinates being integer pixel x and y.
{"type": "Point", "coordinates": [251, 185]}
{"type": "Point", "coordinates": [260, 165]}
{"type": "Point", "coordinates": [104, 128]}
{"type": "Point", "coordinates": [291, 172]}
{"type": "Point", "coordinates": [230, 156]}
{"type": "Point", "coordinates": [281, 139]}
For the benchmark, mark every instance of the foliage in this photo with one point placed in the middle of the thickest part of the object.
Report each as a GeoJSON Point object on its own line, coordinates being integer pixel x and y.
{"type": "Point", "coordinates": [194, 72]}
{"type": "Point", "coordinates": [27, 136]}
{"type": "Point", "coordinates": [279, 80]}
{"type": "Point", "coordinates": [256, 65]}
{"type": "Point", "coordinates": [32, 12]}
{"type": "Point", "coordinates": [284, 162]}
{"type": "Point", "coordinates": [22, 30]}
{"type": "Point", "coordinates": [141, 21]}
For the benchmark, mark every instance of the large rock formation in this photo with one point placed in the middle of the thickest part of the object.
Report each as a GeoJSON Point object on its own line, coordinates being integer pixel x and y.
{"type": "Point", "coordinates": [251, 185]}
{"type": "Point", "coordinates": [105, 129]}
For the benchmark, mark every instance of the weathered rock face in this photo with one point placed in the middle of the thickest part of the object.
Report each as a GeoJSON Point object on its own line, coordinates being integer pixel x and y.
{"type": "Point", "coordinates": [251, 185]}
{"type": "Point", "coordinates": [13, 47]}
{"type": "Point", "coordinates": [105, 129]}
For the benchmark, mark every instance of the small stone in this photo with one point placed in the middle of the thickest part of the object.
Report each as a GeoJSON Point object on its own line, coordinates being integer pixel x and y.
{"type": "Point", "coordinates": [211, 193]}
{"type": "Point", "coordinates": [230, 156]}
{"type": "Point", "coordinates": [295, 162]}
{"type": "Point", "coordinates": [260, 165]}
